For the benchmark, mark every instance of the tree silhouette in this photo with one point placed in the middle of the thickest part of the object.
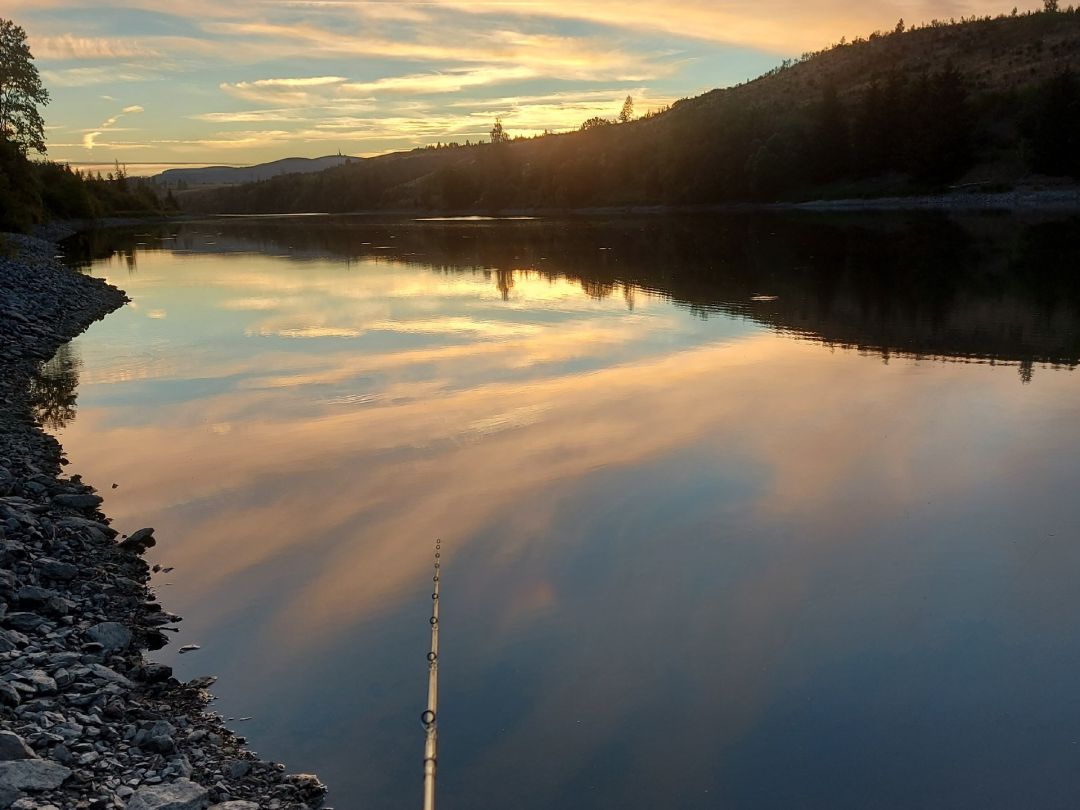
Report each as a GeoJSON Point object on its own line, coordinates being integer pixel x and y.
{"type": "Point", "coordinates": [626, 114]}
{"type": "Point", "coordinates": [21, 91]}
{"type": "Point", "coordinates": [830, 147]}
{"type": "Point", "coordinates": [1050, 6]}
{"type": "Point", "coordinates": [1052, 127]}
{"type": "Point", "coordinates": [498, 134]}
{"type": "Point", "coordinates": [595, 123]}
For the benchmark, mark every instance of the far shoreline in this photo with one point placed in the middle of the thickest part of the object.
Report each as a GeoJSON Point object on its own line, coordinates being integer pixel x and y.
{"type": "Point", "coordinates": [1021, 199]}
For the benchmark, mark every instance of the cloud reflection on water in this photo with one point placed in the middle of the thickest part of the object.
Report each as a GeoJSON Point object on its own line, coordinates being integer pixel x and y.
{"type": "Point", "coordinates": [660, 528]}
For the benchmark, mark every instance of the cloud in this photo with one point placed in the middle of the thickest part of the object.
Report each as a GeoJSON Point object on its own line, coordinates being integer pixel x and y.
{"type": "Point", "coordinates": [450, 81]}
{"type": "Point", "coordinates": [88, 76]}
{"type": "Point", "coordinates": [782, 26]}
{"type": "Point", "coordinates": [251, 139]}
{"type": "Point", "coordinates": [70, 47]}
{"type": "Point", "coordinates": [89, 140]}
{"type": "Point", "coordinates": [553, 112]}
{"type": "Point", "coordinates": [115, 145]}
{"type": "Point", "coordinates": [317, 81]}
{"type": "Point", "coordinates": [249, 116]}
{"type": "Point", "coordinates": [564, 57]}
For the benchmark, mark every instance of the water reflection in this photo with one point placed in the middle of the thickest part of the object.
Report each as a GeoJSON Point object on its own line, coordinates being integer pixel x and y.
{"type": "Point", "coordinates": [694, 557]}
{"type": "Point", "coordinates": [923, 285]}
{"type": "Point", "coordinates": [53, 388]}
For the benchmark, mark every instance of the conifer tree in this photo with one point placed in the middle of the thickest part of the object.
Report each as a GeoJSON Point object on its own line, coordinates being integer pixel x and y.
{"type": "Point", "coordinates": [21, 91]}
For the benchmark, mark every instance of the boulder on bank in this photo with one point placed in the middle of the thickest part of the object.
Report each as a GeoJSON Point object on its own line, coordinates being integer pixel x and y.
{"type": "Point", "coordinates": [139, 541]}
{"type": "Point", "coordinates": [183, 794]}
{"type": "Point", "coordinates": [32, 774]}
{"type": "Point", "coordinates": [112, 636]}
{"type": "Point", "coordinates": [12, 747]}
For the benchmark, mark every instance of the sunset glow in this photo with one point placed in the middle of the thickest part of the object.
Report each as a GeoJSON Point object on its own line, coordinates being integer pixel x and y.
{"type": "Point", "coordinates": [152, 84]}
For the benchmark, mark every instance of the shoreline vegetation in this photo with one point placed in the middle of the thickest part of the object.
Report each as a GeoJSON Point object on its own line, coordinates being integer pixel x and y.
{"type": "Point", "coordinates": [87, 720]}
{"type": "Point", "coordinates": [36, 192]}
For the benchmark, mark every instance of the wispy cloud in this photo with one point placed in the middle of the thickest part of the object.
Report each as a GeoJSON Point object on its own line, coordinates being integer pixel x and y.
{"type": "Point", "coordinates": [314, 81]}
{"type": "Point", "coordinates": [786, 26]}
{"type": "Point", "coordinates": [90, 138]}
{"type": "Point", "coordinates": [97, 75]}
{"type": "Point", "coordinates": [249, 116]}
{"type": "Point", "coordinates": [70, 47]}
{"type": "Point", "coordinates": [450, 81]}
{"type": "Point", "coordinates": [565, 57]}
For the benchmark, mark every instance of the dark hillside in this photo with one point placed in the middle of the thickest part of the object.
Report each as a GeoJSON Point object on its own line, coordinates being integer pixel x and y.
{"type": "Point", "coordinates": [982, 101]}
{"type": "Point", "coordinates": [234, 175]}
{"type": "Point", "coordinates": [999, 54]}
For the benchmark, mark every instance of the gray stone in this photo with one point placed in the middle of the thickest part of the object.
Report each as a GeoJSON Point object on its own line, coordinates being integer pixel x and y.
{"type": "Point", "coordinates": [112, 636]}
{"type": "Point", "coordinates": [54, 569]}
{"type": "Point", "coordinates": [9, 696]}
{"type": "Point", "coordinates": [183, 794]}
{"type": "Point", "coordinates": [155, 673]}
{"type": "Point", "coordinates": [33, 595]}
{"type": "Point", "coordinates": [84, 523]}
{"type": "Point", "coordinates": [160, 744]}
{"type": "Point", "coordinates": [24, 622]}
{"type": "Point", "coordinates": [139, 541]}
{"type": "Point", "coordinates": [235, 806]}
{"type": "Point", "coordinates": [8, 796]}
{"type": "Point", "coordinates": [10, 640]}
{"type": "Point", "coordinates": [13, 747]}
{"type": "Point", "coordinates": [39, 679]}
{"type": "Point", "coordinates": [161, 727]}
{"type": "Point", "coordinates": [32, 774]}
{"type": "Point", "coordinates": [239, 769]}
{"type": "Point", "coordinates": [307, 783]}
{"type": "Point", "coordinates": [80, 502]}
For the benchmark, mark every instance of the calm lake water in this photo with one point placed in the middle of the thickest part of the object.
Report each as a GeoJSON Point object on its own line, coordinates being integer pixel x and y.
{"type": "Point", "coordinates": [740, 512]}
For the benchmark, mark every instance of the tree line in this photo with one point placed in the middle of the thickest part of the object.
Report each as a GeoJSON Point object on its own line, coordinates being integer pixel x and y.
{"type": "Point", "coordinates": [899, 134]}
{"type": "Point", "coordinates": [37, 190]}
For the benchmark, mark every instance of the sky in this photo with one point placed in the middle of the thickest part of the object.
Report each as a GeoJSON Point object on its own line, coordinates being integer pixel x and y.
{"type": "Point", "coordinates": [155, 83]}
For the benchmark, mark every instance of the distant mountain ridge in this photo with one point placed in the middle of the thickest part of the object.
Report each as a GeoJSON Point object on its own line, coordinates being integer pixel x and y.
{"type": "Point", "coordinates": [234, 176]}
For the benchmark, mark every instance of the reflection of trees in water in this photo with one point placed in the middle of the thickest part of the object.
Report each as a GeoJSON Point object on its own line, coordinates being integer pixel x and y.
{"type": "Point", "coordinates": [83, 249]}
{"type": "Point", "coordinates": [988, 287]}
{"type": "Point", "coordinates": [504, 282]}
{"type": "Point", "coordinates": [131, 260]}
{"type": "Point", "coordinates": [53, 389]}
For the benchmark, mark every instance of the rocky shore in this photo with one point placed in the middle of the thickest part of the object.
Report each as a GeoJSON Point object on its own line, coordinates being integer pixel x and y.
{"type": "Point", "coordinates": [85, 720]}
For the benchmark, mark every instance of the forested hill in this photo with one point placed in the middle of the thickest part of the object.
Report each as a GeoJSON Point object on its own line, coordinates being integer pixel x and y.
{"type": "Point", "coordinates": [980, 101]}
{"type": "Point", "coordinates": [236, 175]}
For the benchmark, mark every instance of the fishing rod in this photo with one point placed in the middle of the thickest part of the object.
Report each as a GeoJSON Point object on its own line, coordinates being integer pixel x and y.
{"type": "Point", "coordinates": [429, 717]}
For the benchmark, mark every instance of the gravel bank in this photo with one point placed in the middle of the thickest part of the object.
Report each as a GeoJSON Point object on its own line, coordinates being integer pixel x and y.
{"type": "Point", "coordinates": [85, 720]}
{"type": "Point", "coordinates": [1023, 199]}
